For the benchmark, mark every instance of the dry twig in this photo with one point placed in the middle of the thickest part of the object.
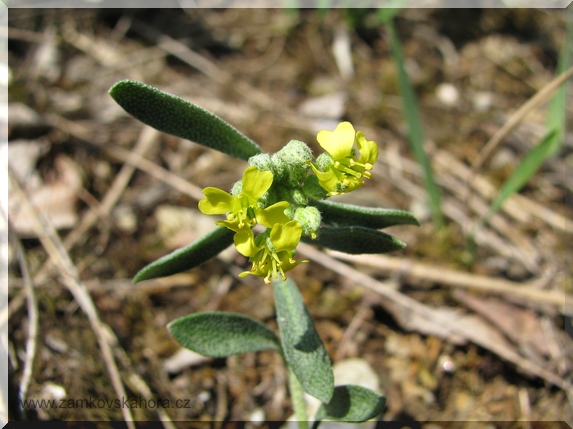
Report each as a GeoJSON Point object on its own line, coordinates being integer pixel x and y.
{"type": "Point", "coordinates": [447, 323]}
{"type": "Point", "coordinates": [417, 271]}
{"type": "Point", "coordinates": [69, 277]}
{"type": "Point", "coordinates": [540, 97]}
{"type": "Point", "coordinates": [33, 319]}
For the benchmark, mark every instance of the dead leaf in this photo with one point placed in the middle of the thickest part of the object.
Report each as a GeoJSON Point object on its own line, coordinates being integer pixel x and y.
{"type": "Point", "coordinates": [56, 200]}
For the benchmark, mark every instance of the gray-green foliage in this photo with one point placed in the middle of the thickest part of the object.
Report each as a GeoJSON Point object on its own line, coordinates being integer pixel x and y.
{"type": "Point", "coordinates": [220, 334]}
{"type": "Point", "coordinates": [344, 227]}
{"type": "Point", "coordinates": [350, 403]}
{"type": "Point", "coordinates": [173, 115]}
{"type": "Point", "coordinates": [302, 347]}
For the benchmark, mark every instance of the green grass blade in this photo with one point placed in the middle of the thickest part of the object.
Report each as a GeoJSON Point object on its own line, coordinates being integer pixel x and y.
{"type": "Point", "coordinates": [416, 135]}
{"type": "Point", "coordinates": [556, 113]}
{"type": "Point", "coordinates": [551, 143]}
{"type": "Point", "coordinates": [523, 172]}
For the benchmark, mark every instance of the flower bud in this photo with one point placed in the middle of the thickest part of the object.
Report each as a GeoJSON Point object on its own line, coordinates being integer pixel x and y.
{"type": "Point", "coordinates": [312, 189]}
{"type": "Point", "coordinates": [278, 167]}
{"type": "Point", "coordinates": [324, 161]}
{"type": "Point", "coordinates": [310, 219]}
{"type": "Point", "coordinates": [296, 153]}
{"type": "Point", "coordinates": [299, 198]}
{"type": "Point", "coordinates": [262, 161]}
{"type": "Point", "coordinates": [237, 188]}
{"type": "Point", "coordinates": [295, 158]}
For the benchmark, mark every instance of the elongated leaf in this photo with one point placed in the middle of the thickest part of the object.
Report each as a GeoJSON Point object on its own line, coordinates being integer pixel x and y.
{"type": "Point", "coordinates": [557, 112]}
{"type": "Point", "coordinates": [370, 217]}
{"type": "Point", "coordinates": [356, 240]}
{"type": "Point", "coordinates": [523, 172]}
{"type": "Point", "coordinates": [352, 403]}
{"type": "Point", "coordinates": [303, 349]}
{"type": "Point", "coordinates": [188, 257]}
{"type": "Point", "coordinates": [389, 11]}
{"type": "Point", "coordinates": [414, 121]}
{"type": "Point", "coordinates": [173, 115]}
{"type": "Point", "coordinates": [220, 334]}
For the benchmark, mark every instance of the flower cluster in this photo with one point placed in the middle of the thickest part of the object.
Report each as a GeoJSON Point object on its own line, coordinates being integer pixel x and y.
{"type": "Point", "coordinates": [275, 191]}
{"type": "Point", "coordinates": [338, 170]}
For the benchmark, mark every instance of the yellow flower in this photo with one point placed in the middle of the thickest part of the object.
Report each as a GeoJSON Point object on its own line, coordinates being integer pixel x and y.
{"type": "Point", "coordinates": [340, 172]}
{"type": "Point", "coordinates": [270, 253]}
{"type": "Point", "coordinates": [243, 209]}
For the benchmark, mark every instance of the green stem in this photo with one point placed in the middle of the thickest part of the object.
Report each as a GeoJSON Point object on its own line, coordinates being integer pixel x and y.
{"type": "Point", "coordinates": [297, 397]}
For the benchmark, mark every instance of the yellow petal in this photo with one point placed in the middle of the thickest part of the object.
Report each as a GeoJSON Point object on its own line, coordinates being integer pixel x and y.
{"type": "Point", "coordinates": [272, 214]}
{"type": "Point", "coordinates": [285, 237]}
{"type": "Point", "coordinates": [217, 201]}
{"type": "Point", "coordinates": [327, 180]}
{"type": "Point", "coordinates": [368, 149]}
{"type": "Point", "coordinates": [245, 242]}
{"type": "Point", "coordinates": [338, 143]}
{"type": "Point", "coordinates": [256, 182]}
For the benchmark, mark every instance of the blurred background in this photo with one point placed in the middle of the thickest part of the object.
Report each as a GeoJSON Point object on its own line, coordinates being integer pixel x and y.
{"type": "Point", "coordinates": [450, 97]}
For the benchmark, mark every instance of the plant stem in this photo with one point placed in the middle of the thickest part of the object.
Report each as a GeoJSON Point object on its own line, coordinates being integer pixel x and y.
{"type": "Point", "coordinates": [297, 397]}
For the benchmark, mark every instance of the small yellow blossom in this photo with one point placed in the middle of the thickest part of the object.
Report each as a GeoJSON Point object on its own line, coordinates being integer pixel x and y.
{"type": "Point", "coordinates": [270, 253]}
{"type": "Point", "coordinates": [243, 209]}
{"type": "Point", "coordinates": [342, 172]}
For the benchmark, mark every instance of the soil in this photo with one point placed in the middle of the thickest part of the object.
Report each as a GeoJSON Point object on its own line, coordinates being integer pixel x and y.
{"type": "Point", "coordinates": [258, 69]}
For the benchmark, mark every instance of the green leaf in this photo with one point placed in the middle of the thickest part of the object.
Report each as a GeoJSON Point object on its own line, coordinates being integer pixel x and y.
{"type": "Point", "coordinates": [356, 240]}
{"type": "Point", "coordinates": [188, 257]}
{"type": "Point", "coordinates": [351, 403]}
{"type": "Point", "coordinates": [220, 334]}
{"type": "Point", "coordinates": [557, 111]}
{"type": "Point", "coordinates": [303, 349]}
{"type": "Point", "coordinates": [414, 121]}
{"type": "Point", "coordinates": [523, 172]}
{"type": "Point", "coordinates": [370, 217]}
{"type": "Point", "coordinates": [389, 11]}
{"type": "Point", "coordinates": [173, 115]}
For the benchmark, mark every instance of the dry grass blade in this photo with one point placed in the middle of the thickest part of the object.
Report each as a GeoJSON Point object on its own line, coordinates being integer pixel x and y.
{"type": "Point", "coordinates": [454, 208]}
{"type": "Point", "coordinates": [33, 319]}
{"type": "Point", "coordinates": [416, 271]}
{"type": "Point", "coordinates": [147, 139]}
{"type": "Point", "coordinates": [518, 206]}
{"type": "Point", "coordinates": [156, 171]}
{"type": "Point", "coordinates": [134, 380]}
{"type": "Point", "coordinates": [69, 277]}
{"type": "Point", "coordinates": [540, 97]}
{"type": "Point", "coordinates": [447, 323]}
{"type": "Point", "coordinates": [145, 142]}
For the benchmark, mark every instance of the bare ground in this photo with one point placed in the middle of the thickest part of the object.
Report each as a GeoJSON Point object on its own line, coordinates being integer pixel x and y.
{"type": "Point", "coordinates": [498, 347]}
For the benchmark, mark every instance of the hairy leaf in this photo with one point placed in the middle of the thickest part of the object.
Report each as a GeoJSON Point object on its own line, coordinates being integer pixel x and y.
{"type": "Point", "coordinates": [352, 403]}
{"type": "Point", "coordinates": [370, 217]}
{"type": "Point", "coordinates": [220, 334]}
{"type": "Point", "coordinates": [173, 115]}
{"type": "Point", "coordinates": [302, 347]}
{"type": "Point", "coordinates": [356, 240]}
{"type": "Point", "coordinates": [188, 257]}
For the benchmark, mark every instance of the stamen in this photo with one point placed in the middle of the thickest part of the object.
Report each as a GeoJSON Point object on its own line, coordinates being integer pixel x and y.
{"type": "Point", "coordinates": [352, 172]}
